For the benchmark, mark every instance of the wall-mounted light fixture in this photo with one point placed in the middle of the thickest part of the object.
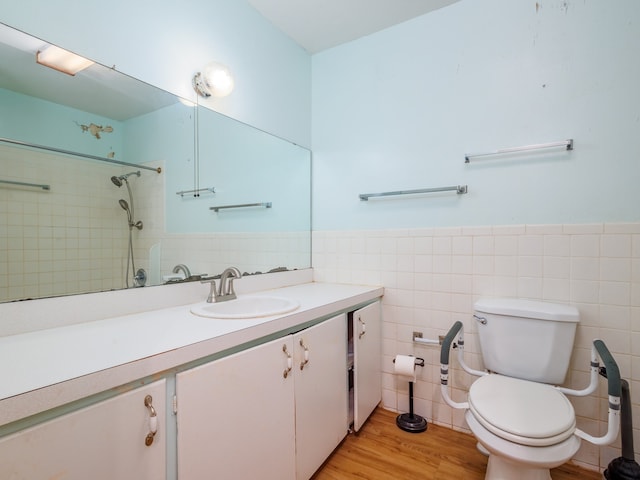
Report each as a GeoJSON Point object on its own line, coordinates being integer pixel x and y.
{"type": "Point", "coordinates": [215, 80]}
{"type": "Point", "coordinates": [62, 60]}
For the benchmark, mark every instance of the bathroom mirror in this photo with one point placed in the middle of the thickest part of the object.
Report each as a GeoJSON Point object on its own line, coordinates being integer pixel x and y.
{"type": "Point", "coordinates": [82, 202]}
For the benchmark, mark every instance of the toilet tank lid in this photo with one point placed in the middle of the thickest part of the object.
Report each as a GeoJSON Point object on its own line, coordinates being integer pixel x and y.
{"type": "Point", "coordinates": [519, 307]}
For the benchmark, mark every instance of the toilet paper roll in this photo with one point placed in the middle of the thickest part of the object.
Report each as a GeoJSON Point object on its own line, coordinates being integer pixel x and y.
{"type": "Point", "coordinates": [405, 366]}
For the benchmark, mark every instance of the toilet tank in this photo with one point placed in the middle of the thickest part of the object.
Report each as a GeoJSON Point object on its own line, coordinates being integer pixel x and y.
{"type": "Point", "coordinates": [526, 339]}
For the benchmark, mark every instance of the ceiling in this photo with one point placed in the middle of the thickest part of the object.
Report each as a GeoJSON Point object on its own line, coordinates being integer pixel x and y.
{"type": "Point", "coordinates": [317, 25]}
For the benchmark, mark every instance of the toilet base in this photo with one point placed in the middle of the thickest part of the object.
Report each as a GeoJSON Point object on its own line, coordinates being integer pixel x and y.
{"type": "Point", "coordinates": [499, 468]}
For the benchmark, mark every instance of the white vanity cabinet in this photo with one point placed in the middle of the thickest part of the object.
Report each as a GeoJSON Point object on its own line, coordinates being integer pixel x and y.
{"type": "Point", "coordinates": [104, 441]}
{"type": "Point", "coordinates": [276, 410]}
{"type": "Point", "coordinates": [235, 416]}
{"type": "Point", "coordinates": [320, 393]}
{"type": "Point", "coordinates": [365, 343]}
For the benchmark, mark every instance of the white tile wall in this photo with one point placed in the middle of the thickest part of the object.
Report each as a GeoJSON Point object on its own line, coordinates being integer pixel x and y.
{"type": "Point", "coordinates": [433, 276]}
{"type": "Point", "coordinates": [56, 241]}
{"type": "Point", "coordinates": [250, 252]}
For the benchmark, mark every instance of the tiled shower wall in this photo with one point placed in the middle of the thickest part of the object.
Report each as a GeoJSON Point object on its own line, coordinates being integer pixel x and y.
{"type": "Point", "coordinates": [66, 239]}
{"type": "Point", "coordinates": [433, 276]}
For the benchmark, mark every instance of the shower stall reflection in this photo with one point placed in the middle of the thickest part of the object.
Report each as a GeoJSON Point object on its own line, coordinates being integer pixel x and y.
{"type": "Point", "coordinates": [139, 276]}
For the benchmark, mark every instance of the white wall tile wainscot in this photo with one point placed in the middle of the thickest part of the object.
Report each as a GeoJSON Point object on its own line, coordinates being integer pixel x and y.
{"type": "Point", "coordinates": [433, 276]}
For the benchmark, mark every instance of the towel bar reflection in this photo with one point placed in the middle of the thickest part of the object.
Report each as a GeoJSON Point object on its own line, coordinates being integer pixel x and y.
{"type": "Point", "coordinates": [24, 184]}
{"type": "Point", "coordinates": [196, 192]}
{"type": "Point", "coordinates": [567, 144]}
{"type": "Point", "coordinates": [459, 189]}
{"type": "Point", "coordinates": [242, 205]}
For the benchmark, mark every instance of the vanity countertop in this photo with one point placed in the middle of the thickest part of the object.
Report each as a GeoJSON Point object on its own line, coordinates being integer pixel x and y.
{"type": "Point", "coordinates": [48, 368]}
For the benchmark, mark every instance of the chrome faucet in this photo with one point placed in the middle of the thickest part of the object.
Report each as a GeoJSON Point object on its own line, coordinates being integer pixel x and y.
{"type": "Point", "coordinates": [225, 289]}
{"type": "Point", "coordinates": [184, 268]}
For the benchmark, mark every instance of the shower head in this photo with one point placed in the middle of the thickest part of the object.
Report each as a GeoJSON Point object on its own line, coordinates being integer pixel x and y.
{"type": "Point", "coordinates": [117, 181]}
{"type": "Point", "coordinates": [125, 206]}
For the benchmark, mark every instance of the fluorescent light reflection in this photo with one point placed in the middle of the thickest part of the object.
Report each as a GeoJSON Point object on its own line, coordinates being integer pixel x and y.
{"type": "Point", "coordinates": [62, 60]}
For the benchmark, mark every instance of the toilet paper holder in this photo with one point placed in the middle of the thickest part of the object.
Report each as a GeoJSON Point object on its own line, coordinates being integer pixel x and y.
{"type": "Point", "coordinates": [411, 422]}
{"type": "Point", "coordinates": [418, 361]}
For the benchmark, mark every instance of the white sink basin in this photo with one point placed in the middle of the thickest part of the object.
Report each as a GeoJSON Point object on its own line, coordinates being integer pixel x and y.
{"type": "Point", "coordinates": [246, 307]}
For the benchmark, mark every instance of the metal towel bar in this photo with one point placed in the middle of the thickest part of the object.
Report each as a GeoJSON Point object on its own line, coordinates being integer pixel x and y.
{"type": "Point", "coordinates": [242, 205]}
{"type": "Point", "coordinates": [459, 189]}
{"type": "Point", "coordinates": [567, 144]}
{"type": "Point", "coordinates": [24, 184]}
{"type": "Point", "coordinates": [196, 192]}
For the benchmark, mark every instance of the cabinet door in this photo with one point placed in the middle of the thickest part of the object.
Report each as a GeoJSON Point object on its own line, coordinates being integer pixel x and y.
{"type": "Point", "coordinates": [235, 416]}
{"type": "Point", "coordinates": [105, 441]}
{"type": "Point", "coordinates": [366, 362]}
{"type": "Point", "coordinates": [321, 393]}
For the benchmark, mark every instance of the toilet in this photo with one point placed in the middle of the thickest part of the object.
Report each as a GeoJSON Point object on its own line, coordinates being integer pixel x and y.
{"type": "Point", "coordinates": [520, 418]}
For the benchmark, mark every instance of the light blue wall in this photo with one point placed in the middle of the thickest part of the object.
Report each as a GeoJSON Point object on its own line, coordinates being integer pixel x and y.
{"type": "Point", "coordinates": [164, 42]}
{"type": "Point", "coordinates": [399, 109]}
{"type": "Point", "coordinates": [31, 120]}
{"type": "Point", "coordinates": [246, 166]}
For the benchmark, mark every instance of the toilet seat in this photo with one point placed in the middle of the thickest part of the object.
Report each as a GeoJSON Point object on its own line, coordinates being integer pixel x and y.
{"type": "Point", "coordinates": [501, 450]}
{"type": "Point", "coordinates": [520, 411]}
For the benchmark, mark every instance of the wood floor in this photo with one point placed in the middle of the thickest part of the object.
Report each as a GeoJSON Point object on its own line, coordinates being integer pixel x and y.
{"type": "Point", "coordinates": [381, 451]}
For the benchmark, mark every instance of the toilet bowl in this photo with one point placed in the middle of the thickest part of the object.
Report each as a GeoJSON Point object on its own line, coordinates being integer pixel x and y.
{"type": "Point", "coordinates": [527, 427]}
{"type": "Point", "coordinates": [515, 409]}
{"type": "Point", "coordinates": [511, 461]}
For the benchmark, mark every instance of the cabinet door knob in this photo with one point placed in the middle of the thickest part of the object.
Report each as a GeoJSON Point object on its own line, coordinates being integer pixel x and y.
{"type": "Point", "coordinates": [285, 374]}
{"type": "Point", "coordinates": [364, 327]}
{"type": "Point", "coordinates": [306, 354]}
{"type": "Point", "coordinates": [153, 420]}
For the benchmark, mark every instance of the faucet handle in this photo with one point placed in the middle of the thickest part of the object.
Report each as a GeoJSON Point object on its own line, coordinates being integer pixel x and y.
{"type": "Point", "coordinates": [212, 291]}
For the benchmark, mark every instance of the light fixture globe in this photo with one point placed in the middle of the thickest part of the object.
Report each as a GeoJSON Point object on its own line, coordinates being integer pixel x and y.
{"type": "Point", "coordinates": [215, 80]}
